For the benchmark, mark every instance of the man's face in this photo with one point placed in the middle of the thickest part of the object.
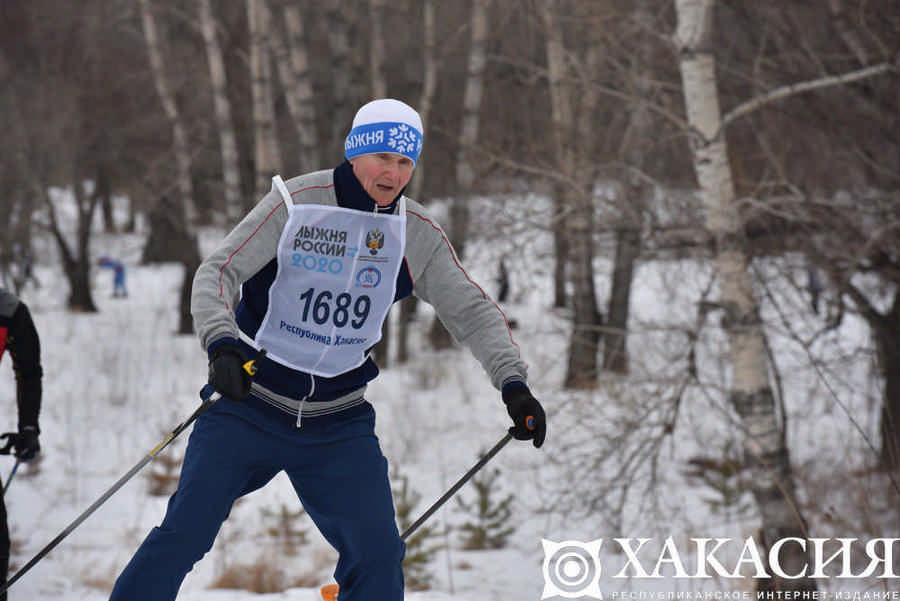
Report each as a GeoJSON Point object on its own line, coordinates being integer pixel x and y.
{"type": "Point", "coordinates": [383, 175]}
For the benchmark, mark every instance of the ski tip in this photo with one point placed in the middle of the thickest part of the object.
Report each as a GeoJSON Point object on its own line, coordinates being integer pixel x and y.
{"type": "Point", "coordinates": [329, 592]}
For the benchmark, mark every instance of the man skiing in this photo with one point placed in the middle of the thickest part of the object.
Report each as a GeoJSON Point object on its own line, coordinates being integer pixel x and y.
{"type": "Point", "coordinates": [309, 276]}
{"type": "Point", "coordinates": [19, 336]}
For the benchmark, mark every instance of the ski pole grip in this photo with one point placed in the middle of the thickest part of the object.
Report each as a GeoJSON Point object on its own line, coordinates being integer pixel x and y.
{"type": "Point", "coordinates": [529, 422]}
{"type": "Point", "coordinates": [250, 366]}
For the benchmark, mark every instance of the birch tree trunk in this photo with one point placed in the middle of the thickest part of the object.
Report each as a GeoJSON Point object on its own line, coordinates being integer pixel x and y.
{"type": "Point", "coordinates": [266, 153]}
{"type": "Point", "coordinates": [631, 204]}
{"type": "Point", "coordinates": [429, 85]}
{"type": "Point", "coordinates": [569, 105]}
{"type": "Point", "coordinates": [468, 136]}
{"type": "Point", "coordinates": [187, 225]}
{"type": "Point", "coordinates": [560, 117]}
{"type": "Point", "coordinates": [227, 138]}
{"type": "Point", "coordinates": [167, 98]}
{"type": "Point", "coordinates": [377, 50]}
{"type": "Point", "coordinates": [409, 305]}
{"type": "Point", "coordinates": [338, 27]}
{"type": "Point", "coordinates": [292, 59]}
{"type": "Point", "coordinates": [468, 132]}
{"type": "Point", "coordinates": [378, 88]}
{"type": "Point", "coordinates": [765, 452]}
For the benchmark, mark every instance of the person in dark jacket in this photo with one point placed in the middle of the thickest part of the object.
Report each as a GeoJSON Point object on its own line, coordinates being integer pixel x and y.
{"type": "Point", "coordinates": [19, 336]}
{"type": "Point", "coordinates": [308, 276]}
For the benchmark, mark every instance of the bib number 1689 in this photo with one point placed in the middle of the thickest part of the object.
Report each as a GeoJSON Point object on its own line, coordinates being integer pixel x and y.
{"type": "Point", "coordinates": [325, 305]}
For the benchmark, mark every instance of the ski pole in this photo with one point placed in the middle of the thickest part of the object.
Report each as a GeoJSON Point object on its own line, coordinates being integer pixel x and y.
{"type": "Point", "coordinates": [329, 592]}
{"type": "Point", "coordinates": [11, 474]}
{"type": "Point", "coordinates": [209, 399]}
{"type": "Point", "coordinates": [11, 438]}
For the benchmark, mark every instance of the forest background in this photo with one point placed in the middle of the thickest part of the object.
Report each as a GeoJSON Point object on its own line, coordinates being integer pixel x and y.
{"type": "Point", "coordinates": [756, 141]}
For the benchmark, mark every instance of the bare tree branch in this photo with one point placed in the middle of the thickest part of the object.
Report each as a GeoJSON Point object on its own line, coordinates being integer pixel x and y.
{"type": "Point", "coordinates": [754, 104]}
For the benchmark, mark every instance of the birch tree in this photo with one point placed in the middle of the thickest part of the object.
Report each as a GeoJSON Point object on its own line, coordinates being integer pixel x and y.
{"type": "Point", "coordinates": [190, 257]}
{"type": "Point", "coordinates": [379, 89]}
{"type": "Point", "coordinates": [572, 106]}
{"type": "Point", "coordinates": [170, 107]}
{"type": "Point", "coordinates": [266, 152]}
{"type": "Point", "coordinates": [750, 393]}
{"type": "Point", "coordinates": [377, 77]}
{"type": "Point", "coordinates": [429, 87]}
{"type": "Point", "coordinates": [468, 131]}
{"type": "Point", "coordinates": [468, 137]}
{"type": "Point", "coordinates": [227, 140]}
{"type": "Point", "coordinates": [429, 84]}
{"type": "Point", "coordinates": [337, 26]}
{"type": "Point", "coordinates": [634, 199]}
{"type": "Point", "coordinates": [292, 59]}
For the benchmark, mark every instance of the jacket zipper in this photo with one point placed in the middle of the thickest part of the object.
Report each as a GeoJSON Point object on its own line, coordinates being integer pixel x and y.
{"type": "Point", "coordinates": [312, 390]}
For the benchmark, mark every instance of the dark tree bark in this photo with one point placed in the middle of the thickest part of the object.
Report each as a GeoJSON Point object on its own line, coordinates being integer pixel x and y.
{"type": "Point", "coordinates": [408, 308]}
{"type": "Point", "coordinates": [382, 350]}
{"type": "Point", "coordinates": [77, 262]}
{"type": "Point", "coordinates": [887, 337]}
{"type": "Point", "coordinates": [170, 241]}
{"type": "Point", "coordinates": [584, 343]}
{"type": "Point", "coordinates": [615, 332]}
{"type": "Point", "coordinates": [885, 328]}
{"type": "Point", "coordinates": [560, 254]}
{"type": "Point", "coordinates": [190, 262]}
{"type": "Point", "coordinates": [106, 207]}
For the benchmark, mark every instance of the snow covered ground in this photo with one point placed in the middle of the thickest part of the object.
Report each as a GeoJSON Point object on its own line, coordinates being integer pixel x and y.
{"type": "Point", "coordinates": [117, 381]}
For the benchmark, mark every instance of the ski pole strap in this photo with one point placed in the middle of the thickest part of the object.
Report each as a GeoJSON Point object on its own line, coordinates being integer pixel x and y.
{"type": "Point", "coordinates": [459, 483]}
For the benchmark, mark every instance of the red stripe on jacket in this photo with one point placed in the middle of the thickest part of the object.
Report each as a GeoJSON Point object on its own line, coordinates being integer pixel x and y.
{"type": "Point", "coordinates": [464, 272]}
{"type": "Point", "coordinates": [238, 249]}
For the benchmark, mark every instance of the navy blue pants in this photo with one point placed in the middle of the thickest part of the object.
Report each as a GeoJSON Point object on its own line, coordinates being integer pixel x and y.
{"type": "Point", "coordinates": [334, 463]}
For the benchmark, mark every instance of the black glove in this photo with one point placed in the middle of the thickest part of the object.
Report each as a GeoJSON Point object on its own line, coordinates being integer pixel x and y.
{"type": "Point", "coordinates": [23, 444]}
{"type": "Point", "coordinates": [227, 374]}
{"type": "Point", "coordinates": [521, 405]}
{"type": "Point", "coordinates": [27, 445]}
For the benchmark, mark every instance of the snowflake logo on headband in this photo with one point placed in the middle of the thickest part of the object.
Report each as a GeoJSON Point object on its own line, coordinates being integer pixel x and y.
{"type": "Point", "coordinates": [404, 139]}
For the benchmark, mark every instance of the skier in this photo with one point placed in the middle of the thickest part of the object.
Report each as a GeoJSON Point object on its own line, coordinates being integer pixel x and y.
{"type": "Point", "coordinates": [318, 263]}
{"type": "Point", "coordinates": [118, 269]}
{"type": "Point", "coordinates": [19, 336]}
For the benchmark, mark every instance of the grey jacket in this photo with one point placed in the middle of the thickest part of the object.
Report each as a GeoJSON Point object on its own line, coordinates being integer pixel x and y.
{"type": "Point", "coordinates": [431, 269]}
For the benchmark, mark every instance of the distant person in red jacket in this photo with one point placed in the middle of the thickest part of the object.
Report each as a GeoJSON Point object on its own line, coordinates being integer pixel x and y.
{"type": "Point", "coordinates": [19, 336]}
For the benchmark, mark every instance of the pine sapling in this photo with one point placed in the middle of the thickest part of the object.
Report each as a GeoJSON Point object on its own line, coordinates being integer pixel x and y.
{"type": "Point", "coordinates": [490, 528]}
{"type": "Point", "coordinates": [285, 527]}
{"type": "Point", "coordinates": [419, 547]}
